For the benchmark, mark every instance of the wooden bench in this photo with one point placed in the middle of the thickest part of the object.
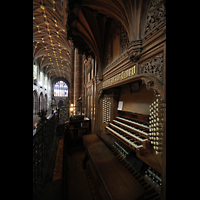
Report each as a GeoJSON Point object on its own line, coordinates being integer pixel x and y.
{"type": "Point", "coordinates": [116, 180]}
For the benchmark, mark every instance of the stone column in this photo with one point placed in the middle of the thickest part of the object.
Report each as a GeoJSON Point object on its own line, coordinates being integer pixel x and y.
{"type": "Point", "coordinates": [83, 82]}
{"type": "Point", "coordinates": [93, 95]}
{"type": "Point", "coordinates": [96, 106]}
{"type": "Point", "coordinates": [72, 79]}
{"type": "Point", "coordinates": [77, 78]}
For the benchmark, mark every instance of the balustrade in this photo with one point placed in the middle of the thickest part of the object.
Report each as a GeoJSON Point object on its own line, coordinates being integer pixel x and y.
{"type": "Point", "coordinates": [43, 139]}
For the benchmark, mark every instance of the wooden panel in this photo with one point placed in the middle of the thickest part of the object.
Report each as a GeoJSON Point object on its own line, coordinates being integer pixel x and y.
{"type": "Point", "coordinates": [151, 160]}
{"type": "Point", "coordinates": [136, 102]}
{"type": "Point", "coordinates": [134, 116]}
{"type": "Point", "coordinates": [116, 179]}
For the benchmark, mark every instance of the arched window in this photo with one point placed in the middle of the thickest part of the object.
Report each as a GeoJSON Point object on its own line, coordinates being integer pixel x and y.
{"type": "Point", "coordinates": [61, 89]}
{"type": "Point", "coordinates": [34, 72]}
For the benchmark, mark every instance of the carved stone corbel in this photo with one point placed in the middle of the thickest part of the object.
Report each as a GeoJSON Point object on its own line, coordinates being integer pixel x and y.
{"type": "Point", "coordinates": [134, 56]}
{"type": "Point", "coordinates": [135, 50]}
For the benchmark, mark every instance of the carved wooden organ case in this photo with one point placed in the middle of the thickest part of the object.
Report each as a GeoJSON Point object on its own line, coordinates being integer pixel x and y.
{"type": "Point", "coordinates": [137, 139]}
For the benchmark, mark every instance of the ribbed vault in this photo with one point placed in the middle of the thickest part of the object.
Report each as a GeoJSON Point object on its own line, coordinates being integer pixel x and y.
{"type": "Point", "coordinates": [50, 46]}
{"type": "Point", "coordinates": [92, 22]}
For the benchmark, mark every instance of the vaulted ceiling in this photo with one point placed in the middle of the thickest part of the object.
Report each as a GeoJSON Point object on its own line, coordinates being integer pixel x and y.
{"type": "Point", "coordinates": [91, 23]}
{"type": "Point", "coordinates": [50, 46]}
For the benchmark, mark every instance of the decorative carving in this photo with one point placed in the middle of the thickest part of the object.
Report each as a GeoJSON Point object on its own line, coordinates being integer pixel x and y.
{"type": "Point", "coordinates": [134, 56]}
{"type": "Point", "coordinates": [135, 50]}
{"type": "Point", "coordinates": [154, 66]}
{"type": "Point", "coordinates": [152, 86]}
{"type": "Point", "coordinates": [124, 39]}
{"type": "Point", "coordinates": [155, 15]}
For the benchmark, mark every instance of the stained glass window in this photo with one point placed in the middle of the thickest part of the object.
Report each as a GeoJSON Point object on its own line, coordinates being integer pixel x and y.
{"type": "Point", "coordinates": [61, 89]}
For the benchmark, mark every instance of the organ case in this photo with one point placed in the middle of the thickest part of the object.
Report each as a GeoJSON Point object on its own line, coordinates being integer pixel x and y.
{"type": "Point", "coordinates": [136, 140]}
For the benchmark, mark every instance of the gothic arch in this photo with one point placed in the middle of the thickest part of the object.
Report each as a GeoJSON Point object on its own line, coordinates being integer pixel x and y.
{"type": "Point", "coordinates": [41, 101]}
{"type": "Point", "coordinates": [152, 83]}
{"type": "Point", "coordinates": [45, 101]}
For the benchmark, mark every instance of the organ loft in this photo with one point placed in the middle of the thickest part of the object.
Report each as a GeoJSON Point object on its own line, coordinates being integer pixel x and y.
{"type": "Point", "coordinates": [99, 99]}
